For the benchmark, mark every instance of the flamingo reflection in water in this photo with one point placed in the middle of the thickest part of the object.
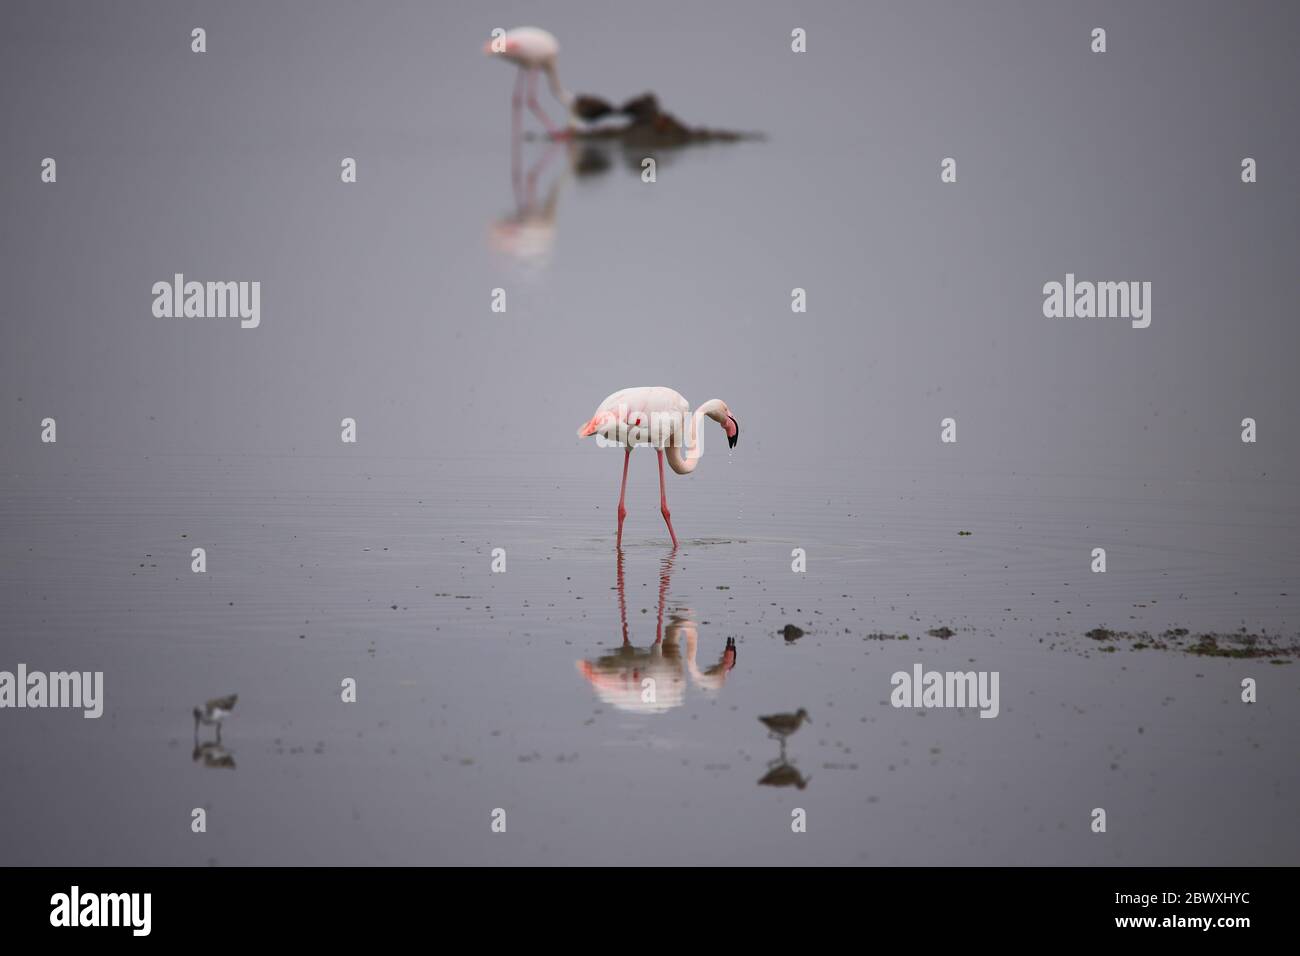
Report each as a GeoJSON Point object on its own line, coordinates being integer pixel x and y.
{"type": "Point", "coordinates": [653, 680]}
{"type": "Point", "coordinates": [528, 234]}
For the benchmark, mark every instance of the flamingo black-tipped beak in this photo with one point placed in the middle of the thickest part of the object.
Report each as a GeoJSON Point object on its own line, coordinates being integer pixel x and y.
{"type": "Point", "coordinates": [735, 435]}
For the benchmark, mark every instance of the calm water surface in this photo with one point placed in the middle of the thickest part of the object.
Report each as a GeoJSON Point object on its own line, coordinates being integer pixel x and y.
{"type": "Point", "coordinates": [520, 690]}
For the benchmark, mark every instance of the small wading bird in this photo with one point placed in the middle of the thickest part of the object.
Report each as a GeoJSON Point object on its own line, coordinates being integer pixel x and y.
{"type": "Point", "coordinates": [783, 725]}
{"type": "Point", "coordinates": [781, 772]}
{"type": "Point", "coordinates": [655, 415]}
{"type": "Point", "coordinates": [214, 712]}
{"type": "Point", "coordinates": [534, 51]}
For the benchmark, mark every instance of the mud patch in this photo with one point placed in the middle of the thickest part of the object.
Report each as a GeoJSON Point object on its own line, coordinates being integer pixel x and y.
{"type": "Point", "coordinates": [1241, 644]}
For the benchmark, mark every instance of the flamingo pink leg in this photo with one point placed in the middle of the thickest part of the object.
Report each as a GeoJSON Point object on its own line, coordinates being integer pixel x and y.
{"type": "Point", "coordinates": [622, 511]}
{"type": "Point", "coordinates": [663, 498]}
{"type": "Point", "coordinates": [536, 107]}
{"type": "Point", "coordinates": [517, 104]}
{"type": "Point", "coordinates": [516, 137]}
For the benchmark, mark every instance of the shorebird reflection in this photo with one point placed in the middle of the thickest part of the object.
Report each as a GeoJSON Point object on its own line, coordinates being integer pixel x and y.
{"type": "Point", "coordinates": [653, 680]}
{"type": "Point", "coordinates": [212, 754]}
{"type": "Point", "coordinates": [783, 773]}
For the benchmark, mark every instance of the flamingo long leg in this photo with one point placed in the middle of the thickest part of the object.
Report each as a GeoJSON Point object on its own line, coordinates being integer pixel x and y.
{"type": "Point", "coordinates": [517, 136]}
{"type": "Point", "coordinates": [622, 510]}
{"type": "Point", "coordinates": [663, 498]}
{"type": "Point", "coordinates": [536, 107]}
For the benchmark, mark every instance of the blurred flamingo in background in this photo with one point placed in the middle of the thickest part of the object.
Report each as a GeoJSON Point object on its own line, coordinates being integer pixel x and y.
{"type": "Point", "coordinates": [534, 51]}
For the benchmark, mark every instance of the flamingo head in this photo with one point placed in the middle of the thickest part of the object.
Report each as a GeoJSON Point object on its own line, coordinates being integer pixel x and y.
{"type": "Point", "coordinates": [718, 410]}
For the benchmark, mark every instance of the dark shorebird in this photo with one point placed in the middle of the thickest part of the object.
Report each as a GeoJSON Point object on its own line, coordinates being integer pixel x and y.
{"type": "Point", "coordinates": [783, 725]}
{"type": "Point", "coordinates": [214, 712]}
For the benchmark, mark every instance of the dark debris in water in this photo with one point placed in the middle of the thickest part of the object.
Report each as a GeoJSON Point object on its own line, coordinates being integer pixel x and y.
{"type": "Point", "coordinates": [1241, 644]}
{"type": "Point", "coordinates": [649, 125]}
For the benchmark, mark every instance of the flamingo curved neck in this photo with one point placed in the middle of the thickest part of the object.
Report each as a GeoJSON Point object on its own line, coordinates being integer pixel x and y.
{"type": "Point", "coordinates": [553, 78]}
{"type": "Point", "coordinates": [684, 464]}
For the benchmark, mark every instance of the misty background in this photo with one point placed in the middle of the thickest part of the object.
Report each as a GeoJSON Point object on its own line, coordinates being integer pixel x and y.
{"type": "Point", "coordinates": [924, 299]}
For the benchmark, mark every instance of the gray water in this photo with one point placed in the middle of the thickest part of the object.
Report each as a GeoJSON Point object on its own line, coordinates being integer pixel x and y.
{"type": "Point", "coordinates": [479, 690]}
{"type": "Point", "coordinates": [470, 696]}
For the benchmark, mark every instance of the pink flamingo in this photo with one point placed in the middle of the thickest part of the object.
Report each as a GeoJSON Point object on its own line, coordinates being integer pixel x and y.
{"type": "Point", "coordinates": [657, 416]}
{"type": "Point", "coordinates": [534, 51]}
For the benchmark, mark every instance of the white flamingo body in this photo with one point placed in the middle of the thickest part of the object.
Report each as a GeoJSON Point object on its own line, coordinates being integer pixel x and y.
{"type": "Point", "coordinates": [658, 416]}
{"type": "Point", "coordinates": [629, 406]}
{"type": "Point", "coordinates": [530, 47]}
{"type": "Point", "coordinates": [534, 51]}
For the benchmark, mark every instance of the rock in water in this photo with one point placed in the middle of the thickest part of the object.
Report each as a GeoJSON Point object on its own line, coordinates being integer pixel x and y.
{"type": "Point", "coordinates": [591, 108]}
{"type": "Point", "coordinates": [647, 124]}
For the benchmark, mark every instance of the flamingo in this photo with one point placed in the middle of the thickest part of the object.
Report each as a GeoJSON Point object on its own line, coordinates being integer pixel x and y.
{"type": "Point", "coordinates": [657, 415]}
{"type": "Point", "coordinates": [534, 51]}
